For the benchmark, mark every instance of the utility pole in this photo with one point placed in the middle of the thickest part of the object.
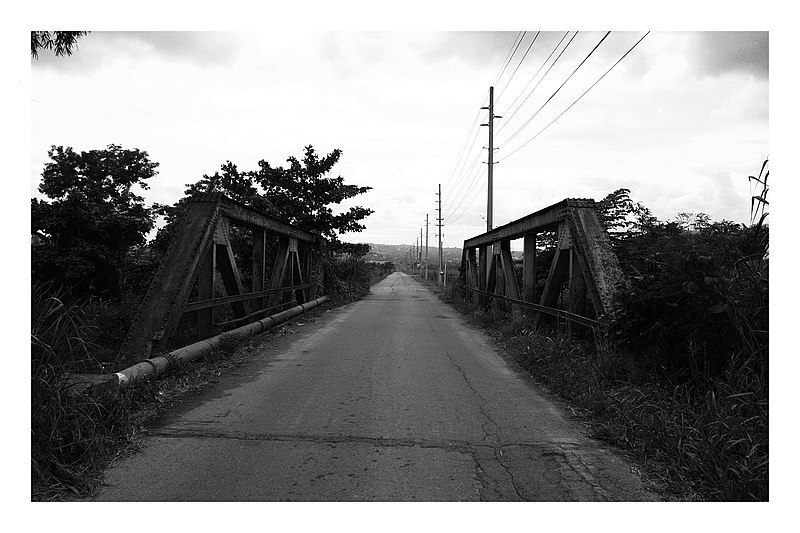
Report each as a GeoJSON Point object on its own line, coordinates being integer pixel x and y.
{"type": "Point", "coordinates": [439, 275]}
{"type": "Point", "coordinates": [490, 124]}
{"type": "Point", "coordinates": [420, 252]}
{"type": "Point", "coordinates": [426, 246]}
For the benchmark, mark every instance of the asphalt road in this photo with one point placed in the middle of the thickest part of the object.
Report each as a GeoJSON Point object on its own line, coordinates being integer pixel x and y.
{"type": "Point", "coordinates": [392, 398]}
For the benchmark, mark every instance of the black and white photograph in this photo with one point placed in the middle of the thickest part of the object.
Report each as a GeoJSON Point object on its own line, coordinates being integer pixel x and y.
{"type": "Point", "coordinates": [401, 260]}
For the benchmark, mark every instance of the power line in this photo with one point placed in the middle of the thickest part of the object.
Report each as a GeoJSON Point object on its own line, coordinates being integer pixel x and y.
{"type": "Point", "coordinates": [514, 47]}
{"type": "Point", "coordinates": [509, 116]}
{"type": "Point", "coordinates": [557, 90]}
{"type": "Point", "coordinates": [462, 152]}
{"type": "Point", "coordinates": [467, 153]}
{"type": "Point", "coordinates": [456, 194]}
{"type": "Point", "coordinates": [518, 65]}
{"type": "Point", "coordinates": [459, 200]}
{"type": "Point", "coordinates": [459, 168]}
{"type": "Point", "coordinates": [466, 207]}
{"type": "Point", "coordinates": [578, 99]}
{"type": "Point", "coordinates": [473, 130]}
{"type": "Point", "coordinates": [473, 180]}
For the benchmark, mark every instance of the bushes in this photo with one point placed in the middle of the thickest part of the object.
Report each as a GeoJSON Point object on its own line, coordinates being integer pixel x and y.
{"type": "Point", "coordinates": [349, 278]}
{"type": "Point", "coordinates": [694, 300]}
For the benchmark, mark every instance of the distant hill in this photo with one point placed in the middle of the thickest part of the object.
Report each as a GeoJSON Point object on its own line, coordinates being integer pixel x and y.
{"type": "Point", "coordinates": [398, 253]}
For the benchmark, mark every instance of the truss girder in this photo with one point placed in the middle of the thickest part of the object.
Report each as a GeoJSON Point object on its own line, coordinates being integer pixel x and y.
{"type": "Point", "coordinates": [584, 265]}
{"type": "Point", "coordinates": [200, 249]}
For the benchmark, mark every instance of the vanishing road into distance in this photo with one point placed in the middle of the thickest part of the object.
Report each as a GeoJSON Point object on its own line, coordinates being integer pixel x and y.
{"type": "Point", "coordinates": [392, 398]}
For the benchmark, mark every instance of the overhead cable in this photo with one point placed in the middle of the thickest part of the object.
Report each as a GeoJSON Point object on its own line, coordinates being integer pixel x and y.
{"type": "Point", "coordinates": [557, 90]}
{"type": "Point", "coordinates": [578, 99]}
{"type": "Point", "coordinates": [511, 115]}
{"type": "Point", "coordinates": [514, 47]}
{"type": "Point", "coordinates": [517, 68]}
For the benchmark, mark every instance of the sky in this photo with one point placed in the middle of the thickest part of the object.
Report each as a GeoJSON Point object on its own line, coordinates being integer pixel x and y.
{"type": "Point", "coordinates": [681, 121]}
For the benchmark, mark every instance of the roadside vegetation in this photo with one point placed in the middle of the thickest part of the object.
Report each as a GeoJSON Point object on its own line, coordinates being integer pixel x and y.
{"type": "Point", "coordinates": [681, 382]}
{"type": "Point", "coordinates": [91, 265]}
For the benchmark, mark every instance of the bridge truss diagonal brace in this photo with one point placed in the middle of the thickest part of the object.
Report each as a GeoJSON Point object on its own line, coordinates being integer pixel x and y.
{"type": "Point", "coordinates": [172, 283]}
{"type": "Point", "coordinates": [201, 246]}
{"type": "Point", "coordinates": [229, 272]}
{"type": "Point", "coordinates": [602, 273]}
{"type": "Point", "coordinates": [510, 277]}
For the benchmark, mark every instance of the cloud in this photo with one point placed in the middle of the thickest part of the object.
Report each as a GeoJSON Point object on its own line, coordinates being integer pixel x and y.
{"type": "Point", "coordinates": [477, 48]}
{"type": "Point", "coordinates": [719, 53]}
{"type": "Point", "coordinates": [198, 48]}
{"type": "Point", "coordinates": [99, 48]}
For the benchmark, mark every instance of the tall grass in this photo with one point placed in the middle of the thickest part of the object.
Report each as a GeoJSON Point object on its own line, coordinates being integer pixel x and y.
{"type": "Point", "coordinates": [703, 439]}
{"type": "Point", "coordinates": [70, 429]}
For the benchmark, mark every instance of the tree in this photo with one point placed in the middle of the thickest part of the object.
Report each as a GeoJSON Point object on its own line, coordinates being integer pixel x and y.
{"type": "Point", "coordinates": [614, 211]}
{"type": "Point", "coordinates": [94, 217]}
{"type": "Point", "coordinates": [300, 194]}
{"type": "Point", "coordinates": [355, 250]}
{"type": "Point", "coordinates": [303, 192]}
{"type": "Point", "coordinates": [622, 217]}
{"type": "Point", "coordinates": [61, 42]}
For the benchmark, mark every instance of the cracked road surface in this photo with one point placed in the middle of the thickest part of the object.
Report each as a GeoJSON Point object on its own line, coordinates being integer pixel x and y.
{"type": "Point", "coordinates": [392, 398]}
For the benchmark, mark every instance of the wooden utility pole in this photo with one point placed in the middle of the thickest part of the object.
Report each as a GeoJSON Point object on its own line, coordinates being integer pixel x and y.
{"type": "Point", "coordinates": [426, 246]}
{"type": "Point", "coordinates": [420, 252]}
{"type": "Point", "coordinates": [439, 275]}
{"type": "Point", "coordinates": [490, 124]}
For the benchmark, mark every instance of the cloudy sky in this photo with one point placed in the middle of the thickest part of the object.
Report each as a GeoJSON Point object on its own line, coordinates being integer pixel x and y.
{"type": "Point", "coordinates": [681, 121]}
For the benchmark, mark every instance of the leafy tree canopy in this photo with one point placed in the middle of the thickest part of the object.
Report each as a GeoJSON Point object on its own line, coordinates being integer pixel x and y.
{"type": "Point", "coordinates": [301, 193]}
{"type": "Point", "coordinates": [61, 42]}
{"type": "Point", "coordinates": [622, 216]}
{"type": "Point", "coordinates": [93, 218]}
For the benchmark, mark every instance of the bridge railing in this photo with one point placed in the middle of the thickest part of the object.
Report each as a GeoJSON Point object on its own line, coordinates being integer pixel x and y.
{"type": "Point", "coordinates": [582, 276]}
{"type": "Point", "coordinates": [200, 263]}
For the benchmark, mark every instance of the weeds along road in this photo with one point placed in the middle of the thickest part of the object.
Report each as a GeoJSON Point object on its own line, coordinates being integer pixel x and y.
{"type": "Point", "coordinates": [391, 398]}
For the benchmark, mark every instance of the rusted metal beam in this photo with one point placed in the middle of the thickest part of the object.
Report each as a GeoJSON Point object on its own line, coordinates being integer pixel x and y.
{"type": "Point", "coordinates": [542, 219]}
{"type": "Point", "coordinates": [297, 276]}
{"type": "Point", "coordinates": [278, 273]}
{"type": "Point", "coordinates": [491, 278]}
{"type": "Point", "coordinates": [512, 288]}
{"type": "Point", "coordinates": [162, 306]}
{"type": "Point", "coordinates": [258, 262]}
{"type": "Point", "coordinates": [472, 269]}
{"type": "Point", "coordinates": [248, 216]}
{"type": "Point", "coordinates": [308, 271]}
{"type": "Point", "coordinates": [597, 259]}
{"type": "Point", "coordinates": [252, 316]}
{"type": "Point", "coordinates": [200, 247]}
{"type": "Point", "coordinates": [583, 256]}
{"type": "Point", "coordinates": [577, 290]}
{"type": "Point", "coordinates": [226, 263]}
{"type": "Point", "coordinates": [216, 302]}
{"type": "Point", "coordinates": [205, 291]}
{"type": "Point", "coordinates": [559, 269]}
{"type": "Point", "coordinates": [483, 271]}
{"type": "Point", "coordinates": [529, 267]}
{"type": "Point", "coordinates": [500, 282]}
{"type": "Point", "coordinates": [586, 321]}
